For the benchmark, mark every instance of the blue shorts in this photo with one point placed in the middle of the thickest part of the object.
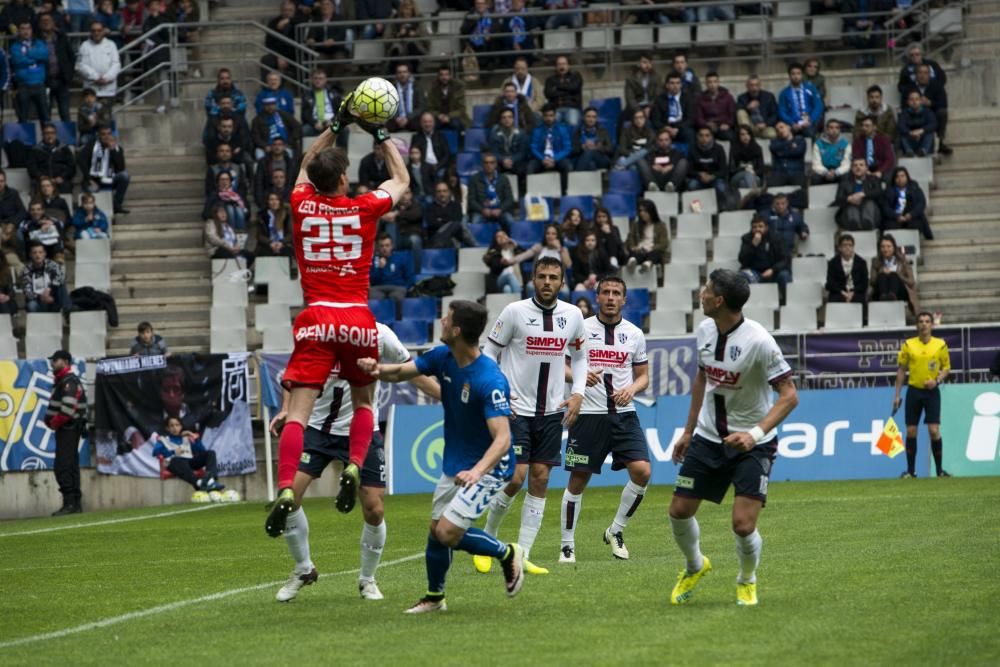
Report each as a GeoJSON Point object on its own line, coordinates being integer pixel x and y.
{"type": "Point", "coordinates": [926, 401]}
{"type": "Point", "coordinates": [320, 449]}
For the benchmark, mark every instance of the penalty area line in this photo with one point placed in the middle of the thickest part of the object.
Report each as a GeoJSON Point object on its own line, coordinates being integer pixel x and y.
{"type": "Point", "coordinates": [107, 522]}
{"type": "Point", "coordinates": [164, 608]}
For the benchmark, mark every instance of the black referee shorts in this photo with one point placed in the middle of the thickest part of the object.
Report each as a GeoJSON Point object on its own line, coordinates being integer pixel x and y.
{"type": "Point", "coordinates": [926, 401]}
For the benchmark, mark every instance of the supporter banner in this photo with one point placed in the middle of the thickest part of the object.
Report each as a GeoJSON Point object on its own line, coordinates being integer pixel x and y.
{"type": "Point", "coordinates": [25, 387]}
{"type": "Point", "coordinates": [830, 436]}
{"type": "Point", "coordinates": [970, 429]}
{"type": "Point", "coordinates": [136, 394]}
{"type": "Point", "coordinates": [672, 367]}
{"type": "Point", "coordinates": [846, 360]}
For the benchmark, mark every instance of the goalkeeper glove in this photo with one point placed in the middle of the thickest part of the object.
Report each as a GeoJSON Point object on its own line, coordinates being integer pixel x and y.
{"type": "Point", "coordinates": [344, 116]}
{"type": "Point", "coordinates": [378, 131]}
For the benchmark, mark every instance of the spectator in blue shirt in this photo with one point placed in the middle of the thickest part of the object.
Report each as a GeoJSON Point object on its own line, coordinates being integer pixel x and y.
{"type": "Point", "coordinates": [224, 88]}
{"type": "Point", "coordinates": [184, 453]}
{"type": "Point", "coordinates": [391, 276]}
{"type": "Point", "coordinates": [89, 222]}
{"type": "Point", "coordinates": [272, 88]}
{"type": "Point", "coordinates": [785, 222]}
{"type": "Point", "coordinates": [788, 165]}
{"type": "Point", "coordinates": [551, 146]}
{"type": "Point", "coordinates": [800, 104]}
{"type": "Point", "coordinates": [29, 58]}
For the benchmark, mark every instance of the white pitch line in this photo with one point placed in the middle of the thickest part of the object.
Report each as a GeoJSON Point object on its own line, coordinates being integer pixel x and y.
{"type": "Point", "coordinates": [110, 521]}
{"type": "Point", "coordinates": [142, 613]}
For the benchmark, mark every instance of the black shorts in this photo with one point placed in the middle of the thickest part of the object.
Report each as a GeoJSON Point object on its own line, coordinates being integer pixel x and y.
{"type": "Point", "coordinates": [538, 439]}
{"type": "Point", "coordinates": [593, 437]}
{"type": "Point", "coordinates": [322, 448]}
{"type": "Point", "coordinates": [710, 467]}
{"type": "Point", "coordinates": [926, 401]}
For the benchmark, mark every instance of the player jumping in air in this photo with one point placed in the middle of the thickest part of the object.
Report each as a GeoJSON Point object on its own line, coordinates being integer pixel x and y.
{"type": "Point", "coordinates": [532, 339]}
{"type": "Point", "coordinates": [478, 458]}
{"type": "Point", "coordinates": [334, 243]}
{"type": "Point", "coordinates": [608, 424]}
{"type": "Point", "coordinates": [326, 442]}
{"type": "Point", "coordinates": [730, 436]}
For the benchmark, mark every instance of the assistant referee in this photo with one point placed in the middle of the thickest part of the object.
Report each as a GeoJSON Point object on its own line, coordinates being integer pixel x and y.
{"type": "Point", "coordinates": [926, 360]}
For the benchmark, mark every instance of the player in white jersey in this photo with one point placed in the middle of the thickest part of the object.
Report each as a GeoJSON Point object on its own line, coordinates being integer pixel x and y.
{"type": "Point", "coordinates": [326, 442]}
{"type": "Point", "coordinates": [731, 433]}
{"type": "Point", "coordinates": [531, 339]}
{"type": "Point", "coordinates": [608, 424]}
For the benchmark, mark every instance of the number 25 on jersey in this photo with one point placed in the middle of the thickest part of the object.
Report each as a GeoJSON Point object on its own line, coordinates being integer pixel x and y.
{"type": "Point", "coordinates": [326, 239]}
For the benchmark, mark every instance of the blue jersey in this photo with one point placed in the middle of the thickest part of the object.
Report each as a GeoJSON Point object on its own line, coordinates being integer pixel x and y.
{"type": "Point", "coordinates": [470, 396]}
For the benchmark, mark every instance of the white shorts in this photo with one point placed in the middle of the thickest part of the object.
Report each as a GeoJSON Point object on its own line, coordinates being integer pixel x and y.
{"type": "Point", "coordinates": [463, 505]}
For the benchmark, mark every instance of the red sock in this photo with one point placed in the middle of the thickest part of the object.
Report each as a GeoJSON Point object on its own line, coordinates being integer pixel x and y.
{"type": "Point", "coordinates": [362, 429]}
{"type": "Point", "coordinates": [289, 453]}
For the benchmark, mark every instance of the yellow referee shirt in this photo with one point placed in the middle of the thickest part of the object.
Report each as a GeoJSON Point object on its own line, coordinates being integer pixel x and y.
{"type": "Point", "coordinates": [924, 361]}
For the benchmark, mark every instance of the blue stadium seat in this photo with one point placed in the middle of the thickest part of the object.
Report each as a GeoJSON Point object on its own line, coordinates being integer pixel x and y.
{"type": "Point", "coordinates": [467, 164]}
{"type": "Point", "coordinates": [480, 114]}
{"type": "Point", "coordinates": [632, 315]}
{"type": "Point", "coordinates": [609, 110]}
{"type": "Point", "coordinates": [476, 139]}
{"type": "Point", "coordinates": [451, 136]}
{"type": "Point", "coordinates": [583, 202]}
{"type": "Point", "coordinates": [412, 332]}
{"type": "Point", "coordinates": [619, 205]}
{"type": "Point", "coordinates": [483, 232]}
{"type": "Point", "coordinates": [404, 257]}
{"type": "Point", "coordinates": [420, 308]}
{"type": "Point", "coordinates": [65, 131]}
{"type": "Point", "coordinates": [526, 234]}
{"type": "Point", "coordinates": [439, 262]}
{"type": "Point", "coordinates": [24, 132]}
{"type": "Point", "coordinates": [384, 310]}
{"type": "Point", "coordinates": [588, 294]}
{"type": "Point", "coordinates": [627, 182]}
{"type": "Point", "coordinates": [638, 299]}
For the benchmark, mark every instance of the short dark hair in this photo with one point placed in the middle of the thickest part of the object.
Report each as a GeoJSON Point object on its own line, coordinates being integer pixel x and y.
{"type": "Point", "coordinates": [549, 261]}
{"type": "Point", "coordinates": [874, 89]}
{"type": "Point", "coordinates": [502, 112]}
{"type": "Point", "coordinates": [732, 286]}
{"type": "Point", "coordinates": [89, 91]}
{"type": "Point", "coordinates": [509, 84]}
{"type": "Point", "coordinates": [780, 195]}
{"type": "Point", "coordinates": [611, 278]}
{"type": "Point", "coordinates": [711, 74]}
{"type": "Point", "coordinates": [35, 244]}
{"type": "Point", "coordinates": [757, 217]}
{"type": "Point", "coordinates": [831, 121]}
{"type": "Point", "coordinates": [222, 70]}
{"type": "Point", "coordinates": [549, 107]}
{"type": "Point", "coordinates": [844, 237]}
{"type": "Point", "coordinates": [325, 170]}
{"type": "Point", "coordinates": [444, 66]}
{"type": "Point", "coordinates": [383, 236]}
{"type": "Point", "coordinates": [144, 327]}
{"type": "Point", "coordinates": [673, 75]}
{"type": "Point", "coordinates": [470, 317]}
{"type": "Point", "coordinates": [591, 108]}
{"type": "Point", "coordinates": [924, 313]}
{"type": "Point", "coordinates": [797, 66]}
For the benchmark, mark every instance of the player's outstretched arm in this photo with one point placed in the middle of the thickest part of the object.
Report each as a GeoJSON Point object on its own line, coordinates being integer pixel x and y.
{"type": "Point", "coordinates": [500, 432]}
{"type": "Point", "coordinates": [427, 385]}
{"type": "Point", "coordinates": [399, 176]}
{"type": "Point", "coordinates": [389, 372]}
{"type": "Point", "coordinates": [697, 398]}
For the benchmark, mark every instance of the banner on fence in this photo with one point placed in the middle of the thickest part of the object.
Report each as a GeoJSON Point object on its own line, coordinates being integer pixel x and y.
{"type": "Point", "coordinates": [134, 395]}
{"type": "Point", "coordinates": [27, 443]}
{"type": "Point", "coordinates": [970, 429]}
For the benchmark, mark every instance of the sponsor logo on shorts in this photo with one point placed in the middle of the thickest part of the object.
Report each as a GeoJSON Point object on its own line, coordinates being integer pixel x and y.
{"type": "Point", "coordinates": [326, 333]}
{"type": "Point", "coordinates": [517, 450]}
{"type": "Point", "coordinates": [544, 345]}
{"type": "Point", "coordinates": [305, 458]}
{"type": "Point", "coordinates": [572, 458]}
{"type": "Point", "coordinates": [684, 482]}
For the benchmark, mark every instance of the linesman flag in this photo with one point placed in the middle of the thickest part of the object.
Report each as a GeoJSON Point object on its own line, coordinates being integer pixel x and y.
{"type": "Point", "coordinates": [890, 442]}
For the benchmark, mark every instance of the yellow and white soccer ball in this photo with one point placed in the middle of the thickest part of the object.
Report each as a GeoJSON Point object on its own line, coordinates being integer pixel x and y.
{"type": "Point", "coordinates": [231, 496]}
{"type": "Point", "coordinates": [215, 496]}
{"type": "Point", "coordinates": [200, 497]}
{"type": "Point", "coordinates": [375, 100]}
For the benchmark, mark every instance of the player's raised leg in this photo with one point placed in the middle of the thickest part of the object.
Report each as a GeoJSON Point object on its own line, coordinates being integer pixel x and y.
{"type": "Point", "coordinates": [373, 534]}
{"type": "Point", "coordinates": [297, 538]}
{"type": "Point", "coordinates": [746, 510]}
{"type": "Point", "coordinates": [572, 504]}
{"type": "Point", "coordinates": [500, 505]}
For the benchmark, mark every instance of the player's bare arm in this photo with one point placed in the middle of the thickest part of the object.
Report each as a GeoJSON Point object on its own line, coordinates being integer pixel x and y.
{"type": "Point", "coordinates": [579, 375]}
{"type": "Point", "coordinates": [788, 398]}
{"type": "Point", "coordinates": [390, 372]}
{"type": "Point", "coordinates": [900, 381]}
{"type": "Point", "coordinates": [428, 385]}
{"type": "Point", "coordinates": [640, 382]}
{"type": "Point", "coordinates": [399, 176]}
{"type": "Point", "coordinates": [697, 398]}
{"type": "Point", "coordinates": [500, 431]}
{"type": "Point", "coordinates": [279, 419]}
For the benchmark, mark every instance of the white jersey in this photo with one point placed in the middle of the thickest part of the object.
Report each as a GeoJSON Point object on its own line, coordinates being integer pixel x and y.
{"type": "Point", "coordinates": [613, 350]}
{"type": "Point", "coordinates": [332, 412]}
{"type": "Point", "coordinates": [535, 342]}
{"type": "Point", "coordinates": [740, 366]}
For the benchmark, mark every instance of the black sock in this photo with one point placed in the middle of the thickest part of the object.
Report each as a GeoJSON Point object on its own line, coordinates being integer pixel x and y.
{"type": "Point", "coordinates": [936, 452]}
{"type": "Point", "coordinates": [434, 597]}
{"type": "Point", "coordinates": [911, 455]}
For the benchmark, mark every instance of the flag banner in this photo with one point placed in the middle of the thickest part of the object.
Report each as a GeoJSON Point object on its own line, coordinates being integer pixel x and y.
{"type": "Point", "coordinates": [890, 442]}
{"type": "Point", "coordinates": [135, 395]}
{"type": "Point", "coordinates": [28, 444]}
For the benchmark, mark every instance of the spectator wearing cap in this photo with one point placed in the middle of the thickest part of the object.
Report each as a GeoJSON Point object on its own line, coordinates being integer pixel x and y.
{"type": "Point", "coordinates": [66, 414]}
{"type": "Point", "coordinates": [881, 113]}
{"type": "Point", "coordinates": [98, 63]}
{"type": "Point", "coordinates": [148, 343]}
{"type": "Point", "coordinates": [319, 104]}
{"type": "Point", "coordinates": [446, 101]}
{"type": "Point", "coordinates": [788, 153]}
{"type": "Point", "coordinates": [224, 87]}
{"type": "Point", "coordinates": [43, 282]}
{"type": "Point", "coordinates": [102, 163]}
{"type": "Point", "coordinates": [272, 88]}
{"type": "Point", "coordinates": [757, 108]}
{"type": "Point", "coordinates": [859, 199]}
{"type": "Point", "coordinates": [831, 155]}
{"type": "Point", "coordinates": [52, 158]}
{"type": "Point", "coordinates": [273, 124]}
{"type": "Point", "coordinates": [59, 73]}
{"type": "Point", "coordinates": [800, 104]}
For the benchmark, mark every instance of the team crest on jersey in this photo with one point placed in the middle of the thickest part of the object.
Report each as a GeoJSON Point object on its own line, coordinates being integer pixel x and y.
{"type": "Point", "coordinates": [622, 338]}
{"type": "Point", "coordinates": [734, 352]}
{"type": "Point", "coordinates": [465, 392]}
{"type": "Point", "coordinates": [561, 321]}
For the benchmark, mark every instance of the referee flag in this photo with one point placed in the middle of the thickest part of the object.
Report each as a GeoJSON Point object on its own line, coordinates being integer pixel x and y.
{"type": "Point", "coordinates": [890, 442]}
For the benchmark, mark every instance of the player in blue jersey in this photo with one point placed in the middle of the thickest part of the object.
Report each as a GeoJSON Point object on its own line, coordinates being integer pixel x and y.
{"type": "Point", "coordinates": [478, 454]}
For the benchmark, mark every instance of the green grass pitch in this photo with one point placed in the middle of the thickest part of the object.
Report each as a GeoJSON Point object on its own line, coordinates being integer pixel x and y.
{"type": "Point", "coordinates": [853, 573]}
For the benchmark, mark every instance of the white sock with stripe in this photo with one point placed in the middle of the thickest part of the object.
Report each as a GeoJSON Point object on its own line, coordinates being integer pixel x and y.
{"type": "Point", "coordinates": [531, 520]}
{"type": "Point", "coordinates": [687, 535]}
{"type": "Point", "coordinates": [499, 506]}
{"type": "Point", "coordinates": [569, 515]}
{"type": "Point", "coordinates": [748, 553]}
{"type": "Point", "coordinates": [372, 543]}
{"type": "Point", "coordinates": [632, 495]}
{"type": "Point", "coordinates": [297, 538]}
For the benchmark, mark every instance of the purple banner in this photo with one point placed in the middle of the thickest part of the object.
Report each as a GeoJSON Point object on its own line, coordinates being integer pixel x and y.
{"type": "Point", "coordinates": [672, 367]}
{"type": "Point", "coordinates": [984, 343]}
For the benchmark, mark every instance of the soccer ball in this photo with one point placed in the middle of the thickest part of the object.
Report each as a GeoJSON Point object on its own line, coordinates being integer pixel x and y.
{"type": "Point", "coordinates": [215, 496]}
{"type": "Point", "coordinates": [375, 100]}
{"type": "Point", "coordinates": [200, 497]}
{"type": "Point", "coordinates": [231, 496]}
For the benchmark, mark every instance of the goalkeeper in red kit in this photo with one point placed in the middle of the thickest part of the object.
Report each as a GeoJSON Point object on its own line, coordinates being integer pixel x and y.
{"type": "Point", "coordinates": [334, 243]}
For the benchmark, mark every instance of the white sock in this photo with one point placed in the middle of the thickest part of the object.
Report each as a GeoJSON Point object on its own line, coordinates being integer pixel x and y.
{"type": "Point", "coordinates": [632, 495]}
{"type": "Point", "coordinates": [297, 538]}
{"type": "Point", "coordinates": [531, 521]}
{"type": "Point", "coordinates": [499, 506]}
{"type": "Point", "coordinates": [570, 514]}
{"type": "Point", "coordinates": [372, 542]}
{"type": "Point", "coordinates": [686, 535]}
{"type": "Point", "coordinates": [748, 553]}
